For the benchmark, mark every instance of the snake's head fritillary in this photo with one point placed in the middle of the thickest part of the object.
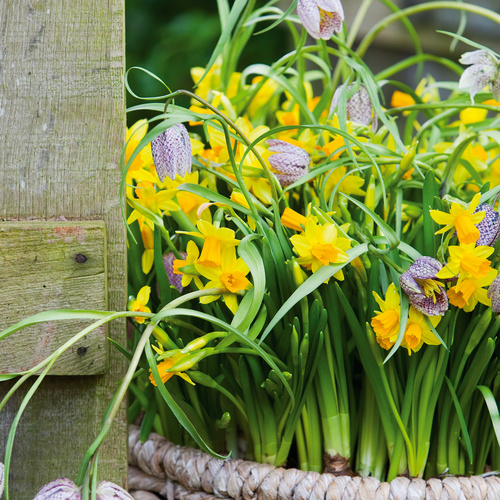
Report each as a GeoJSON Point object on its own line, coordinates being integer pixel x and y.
{"type": "Point", "coordinates": [172, 153]}
{"type": "Point", "coordinates": [424, 292]}
{"type": "Point", "coordinates": [60, 489]}
{"type": "Point", "coordinates": [483, 70]}
{"type": "Point", "coordinates": [359, 106]}
{"type": "Point", "coordinates": [321, 18]}
{"type": "Point", "coordinates": [289, 160]}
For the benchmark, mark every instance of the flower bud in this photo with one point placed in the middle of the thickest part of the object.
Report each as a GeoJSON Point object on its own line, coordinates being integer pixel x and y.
{"type": "Point", "coordinates": [111, 491]}
{"type": "Point", "coordinates": [291, 162]}
{"type": "Point", "coordinates": [60, 489]}
{"type": "Point", "coordinates": [172, 152]}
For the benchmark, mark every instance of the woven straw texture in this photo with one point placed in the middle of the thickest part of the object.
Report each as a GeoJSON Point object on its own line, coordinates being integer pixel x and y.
{"type": "Point", "coordinates": [176, 472]}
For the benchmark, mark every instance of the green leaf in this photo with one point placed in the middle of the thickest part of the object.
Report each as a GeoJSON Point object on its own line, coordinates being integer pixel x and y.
{"type": "Point", "coordinates": [463, 425]}
{"type": "Point", "coordinates": [179, 414]}
{"type": "Point", "coordinates": [55, 315]}
{"type": "Point", "coordinates": [492, 409]}
{"type": "Point", "coordinates": [229, 24]}
{"type": "Point", "coordinates": [311, 284]}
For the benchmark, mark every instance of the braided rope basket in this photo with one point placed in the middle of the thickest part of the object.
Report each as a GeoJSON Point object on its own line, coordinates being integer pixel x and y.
{"type": "Point", "coordinates": [176, 472]}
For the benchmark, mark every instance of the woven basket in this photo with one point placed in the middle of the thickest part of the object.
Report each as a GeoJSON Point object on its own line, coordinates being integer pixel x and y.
{"type": "Point", "coordinates": [177, 472]}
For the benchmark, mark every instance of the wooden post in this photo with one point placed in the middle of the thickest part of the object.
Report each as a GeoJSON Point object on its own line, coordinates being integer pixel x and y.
{"type": "Point", "coordinates": [62, 238]}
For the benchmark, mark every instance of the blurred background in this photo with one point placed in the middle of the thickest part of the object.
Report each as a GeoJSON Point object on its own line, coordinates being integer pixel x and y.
{"type": "Point", "coordinates": [168, 38]}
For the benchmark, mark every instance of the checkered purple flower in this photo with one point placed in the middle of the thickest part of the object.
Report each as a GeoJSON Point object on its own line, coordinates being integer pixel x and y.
{"type": "Point", "coordinates": [110, 491]}
{"type": "Point", "coordinates": [60, 489]}
{"type": "Point", "coordinates": [168, 262]}
{"type": "Point", "coordinates": [425, 293]}
{"type": "Point", "coordinates": [489, 227]}
{"type": "Point", "coordinates": [172, 152]}
{"type": "Point", "coordinates": [494, 294]}
{"type": "Point", "coordinates": [321, 18]}
{"type": "Point", "coordinates": [484, 70]}
{"type": "Point", "coordinates": [359, 106]}
{"type": "Point", "coordinates": [290, 161]}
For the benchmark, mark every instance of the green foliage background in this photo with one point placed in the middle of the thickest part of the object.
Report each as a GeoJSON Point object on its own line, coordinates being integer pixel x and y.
{"type": "Point", "coordinates": [169, 38]}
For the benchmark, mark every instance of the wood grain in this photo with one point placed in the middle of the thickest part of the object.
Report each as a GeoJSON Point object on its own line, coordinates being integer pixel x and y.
{"type": "Point", "coordinates": [64, 264]}
{"type": "Point", "coordinates": [63, 126]}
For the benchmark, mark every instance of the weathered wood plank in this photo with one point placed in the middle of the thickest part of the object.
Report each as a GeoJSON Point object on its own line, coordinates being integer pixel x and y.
{"type": "Point", "coordinates": [64, 264]}
{"type": "Point", "coordinates": [63, 127]}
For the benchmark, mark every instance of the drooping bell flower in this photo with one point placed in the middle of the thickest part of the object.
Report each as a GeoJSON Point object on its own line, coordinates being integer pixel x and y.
{"type": "Point", "coordinates": [489, 227]}
{"type": "Point", "coordinates": [494, 294]}
{"type": "Point", "coordinates": [172, 152]}
{"type": "Point", "coordinates": [484, 70]}
{"type": "Point", "coordinates": [174, 279]}
{"type": "Point", "coordinates": [425, 293]}
{"type": "Point", "coordinates": [60, 489]}
{"type": "Point", "coordinates": [359, 106]}
{"type": "Point", "coordinates": [321, 18]}
{"type": "Point", "coordinates": [289, 160]}
{"type": "Point", "coordinates": [110, 491]}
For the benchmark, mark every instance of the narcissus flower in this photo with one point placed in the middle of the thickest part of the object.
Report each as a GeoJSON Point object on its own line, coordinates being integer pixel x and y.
{"type": "Point", "coordinates": [425, 293]}
{"type": "Point", "coordinates": [418, 332]}
{"type": "Point", "coordinates": [215, 240]}
{"type": "Point", "coordinates": [385, 323]}
{"type": "Point", "coordinates": [461, 219]}
{"type": "Point", "coordinates": [139, 304]}
{"type": "Point", "coordinates": [165, 365]}
{"type": "Point", "coordinates": [484, 70]}
{"type": "Point", "coordinates": [289, 160]}
{"type": "Point", "coordinates": [293, 220]}
{"type": "Point", "coordinates": [320, 246]}
{"type": "Point", "coordinates": [172, 152]}
{"type": "Point", "coordinates": [321, 18]}
{"type": "Point", "coordinates": [181, 267]}
{"type": "Point", "coordinates": [231, 275]}
{"type": "Point", "coordinates": [470, 291]}
{"type": "Point", "coordinates": [467, 261]}
{"type": "Point", "coordinates": [359, 106]}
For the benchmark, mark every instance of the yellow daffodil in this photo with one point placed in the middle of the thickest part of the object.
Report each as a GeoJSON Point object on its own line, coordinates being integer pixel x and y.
{"type": "Point", "coordinates": [148, 254]}
{"type": "Point", "coordinates": [165, 365]}
{"type": "Point", "coordinates": [474, 154]}
{"type": "Point", "coordinates": [134, 136]}
{"type": "Point", "coordinates": [139, 304]}
{"type": "Point", "coordinates": [156, 202]}
{"type": "Point", "coordinates": [401, 99]}
{"type": "Point", "coordinates": [470, 291]}
{"type": "Point", "coordinates": [418, 331]}
{"type": "Point", "coordinates": [467, 261]}
{"type": "Point", "coordinates": [460, 219]}
{"type": "Point", "coordinates": [385, 323]}
{"type": "Point", "coordinates": [215, 240]}
{"type": "Point", "coordinates": [191, 258]}
{"type": "Point", "coordinates": [293, 220]}
{"type": "Point", "coordinates": [348, 184]}
{"type": "Point", "coordinates": [263, 95]}
{"type": "Point", "coordinates": [318, 245]}
{"type": "Point", "coordinates": [231, 275]}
